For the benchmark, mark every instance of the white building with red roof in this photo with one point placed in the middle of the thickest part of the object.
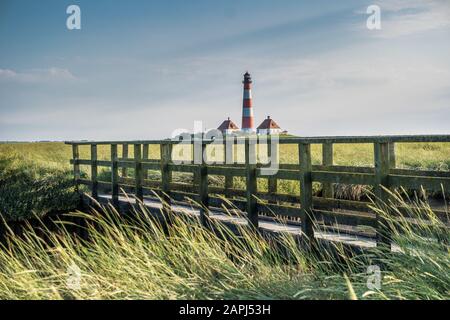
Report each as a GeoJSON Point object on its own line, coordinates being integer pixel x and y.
{"type": "Point", "coordinates": [228, 127]}
{"type": "Point", "coordinates": [268, 126]}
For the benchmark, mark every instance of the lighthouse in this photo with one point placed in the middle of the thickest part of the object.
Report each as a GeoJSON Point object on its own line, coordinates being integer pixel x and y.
{"type": "Point", "coordinates": [247, 108]}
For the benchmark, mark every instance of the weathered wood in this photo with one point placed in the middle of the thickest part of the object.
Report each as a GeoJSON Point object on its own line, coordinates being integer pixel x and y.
{"type": "Point", "coordinates": [138, 173]}
{"type": "Point", "coordinates": [327, 160]}
{"type": "Point", "coordinates": [345, 218]}
{"type": "Point", "coordinates": [250, 168]}
{"type": "Point", "coordinates": [124, 156]}
{"type": "Point", "coordinates": [114, 175]}
{"type": "Point", "coordinates": [228, 153]}
{"type": "Point", "coordinates": [381, 158]}
{"type": "Point", "coordinates": [297, 140]}
{"type": "Point", "coordinates": [306, 203]}
{"type": "Point", "coordinates": [203, 188]}
{"type": "Point", "coordinates": [272, 182]}
{"type": "Point", "coordinates": [339, 169]}
{"type": "Point", "coordinates": [392, 155]}
{"type": "Point", "coordinates": [76, 165]}
{"type": "Point", "coordinates": [416, 182]}
{"type": "Point", "coordinates": [343, 177]}
{"type": "Point", "coordinates": [145, 155]}
{"type": "Point", "coordinates": [94, 171]}
{"type": "Point", "coordinates": [165, 172]}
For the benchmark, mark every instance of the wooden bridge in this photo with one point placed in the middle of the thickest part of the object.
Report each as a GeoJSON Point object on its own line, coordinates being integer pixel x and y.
{"type": "Point", "coordinates": [336, 216]}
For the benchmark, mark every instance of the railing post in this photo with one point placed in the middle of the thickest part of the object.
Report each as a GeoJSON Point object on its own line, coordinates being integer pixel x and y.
{"type": "Point", "coordinates": [138, 172]}
{"type": "Point", "coordinates": [304, 150]}
{"type": "Point", "coordinates": [114, 175]}
{"type": "Point", "coordinates": [272, 183]}
{"type": "Point", "coordinates": [229, 160]}
{"type": "Point", "coordinates": [392, 156]}
{"type": "Point", "coordinates": [124, 156]}
{"type": "Point", "coordinates": [203, 186]}
{"type": "Point", "coordinates": [76, 164]}
{"type": "Point", "coordinates": [250, 170]}
{"type": "Point", "coordinates": [165, 173]}
{"type": "Point", "coordinates": [145, 155]}
{"type": "Point", "coordinates": [381, 157]}
{"type": "Point", "coordinates": [327, 160]}
{"type": "Point", "coordinates": [94, 171]}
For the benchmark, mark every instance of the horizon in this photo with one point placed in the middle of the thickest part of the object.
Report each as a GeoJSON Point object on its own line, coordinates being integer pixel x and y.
{"type": "Point", "coordinates": [140, 70]}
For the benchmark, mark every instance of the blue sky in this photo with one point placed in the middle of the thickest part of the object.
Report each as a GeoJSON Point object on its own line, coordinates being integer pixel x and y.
{"type": "Point", "coordinates": [142, 69]}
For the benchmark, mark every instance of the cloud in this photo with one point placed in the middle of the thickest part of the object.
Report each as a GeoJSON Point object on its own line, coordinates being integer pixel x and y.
{"type": "Point", "coordinates": [36, 75]}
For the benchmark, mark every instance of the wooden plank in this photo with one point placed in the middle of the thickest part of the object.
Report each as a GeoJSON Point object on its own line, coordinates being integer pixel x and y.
{"type": "Point", "coordinates": [228, 159]}
{"type": "Point", "coordinates": [224, 171]}
{"type": "Point", "coordinates": [250, 168]}
{"type": "Point", "coordinates": [165, 173]}
{"type": "Point", "coordinates": [145, 155]}
{"type": "Point", "coordinates": [138, 173]}
{"type": "Point", "coordinates": [392, 155]}
{"type": "Point", "coordinates": [297, 140]}
{"type": "Point", "coordinates": [230, 192]}
{"type": "Point", "coordinates": [343, 177]}
{"type": "Point", "coordinates": [416, 182]}
{"type": "Point", "coordinates": [203, 187]}
{"type": "Point", "coordinates": [381, 158]}
{"type": "Point", "coordinates": [420, 173]}
{"type": "Point", "coordinates": [76, 166]}
{"type": "Point", "coordinates": [306, 203]}
{"type": "Point", "coordinates": [114, 175]}
{"type": "Point", "coordinates": [151, 165]}
{"type": "Point", "coordinates": [280, 175]}
{"type": "Point", "coordinates": [125, 157]}
{"type": "Point", "coordinates": [183, 168]}
{"type": "Point", "coordinates": [273, 156]}
{"type": "Point", "coordinates": [345, 218]}
{"type": "Point", "coordinates": [327, 160]}
{"type": "Point", "coordinates": [343, 169]}
{"type": "Point", "coordinates": [279, 210]}
{"type": "Point", "coordinates": [94, 171]}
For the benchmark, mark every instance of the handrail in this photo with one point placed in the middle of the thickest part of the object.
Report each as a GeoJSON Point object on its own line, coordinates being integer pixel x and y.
{"type": "Point", "coordinates": [294, 140]}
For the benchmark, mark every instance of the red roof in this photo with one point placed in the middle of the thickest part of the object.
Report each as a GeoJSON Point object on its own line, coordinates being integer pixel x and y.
{"type": "Point", "coordinates": [268, 124]}
{"type": "Point", "coordinates": [228, 125]}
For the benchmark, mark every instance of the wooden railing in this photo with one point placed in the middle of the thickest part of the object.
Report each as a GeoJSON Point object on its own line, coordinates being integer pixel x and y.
{"type": "Point", "coordinates": [254, 202]}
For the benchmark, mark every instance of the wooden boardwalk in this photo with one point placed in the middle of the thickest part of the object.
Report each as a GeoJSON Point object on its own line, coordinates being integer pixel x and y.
{"type": "Point", "coordinates": [266, 224]}
{"type": "Point", "coordinates": [254, 203]}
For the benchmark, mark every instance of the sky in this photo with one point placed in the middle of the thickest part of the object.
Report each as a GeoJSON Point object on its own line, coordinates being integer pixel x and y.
{"type": "Point", "coordinates": [143, 69]}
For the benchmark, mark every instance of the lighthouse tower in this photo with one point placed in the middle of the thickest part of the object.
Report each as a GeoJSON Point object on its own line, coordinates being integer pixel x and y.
{"type": "Point", "coordinates": [247, 108]}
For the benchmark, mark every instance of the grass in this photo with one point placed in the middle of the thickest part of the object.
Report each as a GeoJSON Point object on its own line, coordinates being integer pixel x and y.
{"type": "Point", "coordinates": [142, 260]}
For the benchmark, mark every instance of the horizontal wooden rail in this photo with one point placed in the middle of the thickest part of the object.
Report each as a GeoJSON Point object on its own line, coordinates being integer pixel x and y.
{"type": "Point", "coordinates": [383, 175]}
{"type": "Point", "coordinates": [296, 140]}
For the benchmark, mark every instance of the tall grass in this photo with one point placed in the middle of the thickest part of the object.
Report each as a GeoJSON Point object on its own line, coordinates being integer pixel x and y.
{"type": "Point", "coordinates": [27, 188]}
{"type": "Point", "coordinates": [142, 259]}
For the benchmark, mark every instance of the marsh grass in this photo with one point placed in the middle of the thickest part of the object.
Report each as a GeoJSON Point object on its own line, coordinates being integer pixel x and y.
{"type": "Point", "coordinates": [178, 258]}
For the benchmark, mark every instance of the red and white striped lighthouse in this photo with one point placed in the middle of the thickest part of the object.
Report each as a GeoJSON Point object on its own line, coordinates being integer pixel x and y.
{"type": "Point", "coordinates": [247, 108]}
